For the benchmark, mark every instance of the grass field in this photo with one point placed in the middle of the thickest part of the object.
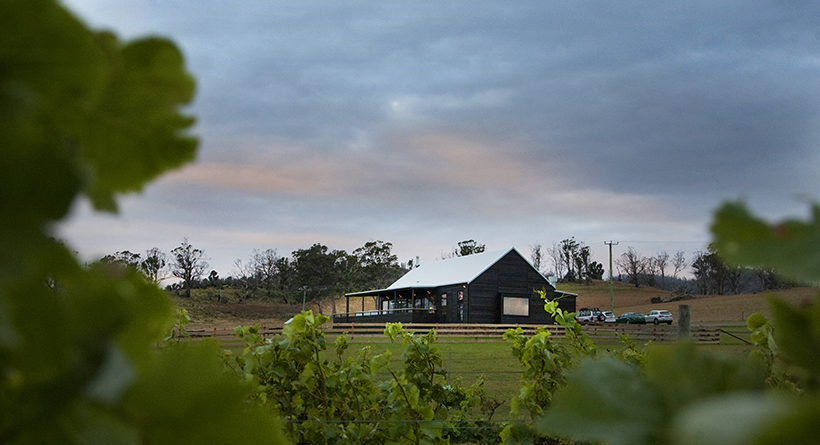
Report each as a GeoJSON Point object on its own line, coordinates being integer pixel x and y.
{"type": "Point", "coordinates": [467, 359]}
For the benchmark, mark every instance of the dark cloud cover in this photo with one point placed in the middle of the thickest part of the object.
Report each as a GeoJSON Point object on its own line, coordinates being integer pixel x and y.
{"type": "Point", "coordinates": [427, 123]}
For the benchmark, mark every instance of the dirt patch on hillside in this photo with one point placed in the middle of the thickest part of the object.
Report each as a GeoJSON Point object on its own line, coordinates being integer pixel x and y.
{"type": "Point", "coordinates": [210, 314]}
{"type": "Point", "coordinates": [703, 309]}
{"type": "Point", "coordinates": [234, 315]}
{"type": "Point", "coordinates": [730, 308]}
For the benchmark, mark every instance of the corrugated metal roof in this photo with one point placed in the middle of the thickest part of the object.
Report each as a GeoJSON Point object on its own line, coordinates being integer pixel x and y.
{"type": "Point", "coordinates": [451, 271]}
{"type": "Point", "coordinates": [459, 270]}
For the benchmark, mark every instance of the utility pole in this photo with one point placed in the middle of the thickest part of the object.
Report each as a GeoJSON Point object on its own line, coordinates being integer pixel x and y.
{"type": "Point", "coordinates": [611, 293]}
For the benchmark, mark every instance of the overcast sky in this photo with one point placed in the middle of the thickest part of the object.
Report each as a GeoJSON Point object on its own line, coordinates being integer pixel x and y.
{"type": "Point", "coordinates": [425, 123]}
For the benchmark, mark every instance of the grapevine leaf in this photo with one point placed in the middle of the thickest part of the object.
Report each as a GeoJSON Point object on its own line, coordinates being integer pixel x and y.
{"type": "Point", "coordinates": [93, 425]}
{"type": "Point", "coordinates": [792, 247]}
{"type": "Point", "coordinates": [297, 325]}
{"type": "Point", "coordinates": [733, 419]}
{"type": "Point", "coordinates": [181, 383]}
{"type": "Point", "coordinates": [798, 334]}
{"type": "Point", "coordinates": [380, 361]}
{"type": "Point", "coordinates": [426, 412]}
{"type": "Point", "coordinates": [795, 423]}
{"type": "Point", "coordinates": [756, 321]}
{"type": "Point", "coordinates": [115, 376]}
{"type": "Point", "coordinates": [138, 113]}
{"type": "Point", "coordinates": [393, 330]}
{"type": "Point", "coordinates": [297, 402]}
{"type": "Point", "coordinates": [516, 434]}
{"type": "Point", "coordinates": [80, 112]}
{"type": "Point", "coordinates": [551, 306]}
{"type": "Point", "coordinates": [683, 374]}
{"type": "Point", "coordinates": [52, 68]}
{"type": "Point", "coordinates": [624, 410]}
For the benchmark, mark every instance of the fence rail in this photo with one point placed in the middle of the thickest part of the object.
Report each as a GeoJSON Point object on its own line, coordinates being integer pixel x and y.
{"type": "Point", "coordinates": [442, 329]}
{"type": "Point", "coordinates": [660, 333]}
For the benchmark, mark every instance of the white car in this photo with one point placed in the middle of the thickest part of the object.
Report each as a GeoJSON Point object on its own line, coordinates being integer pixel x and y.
{"type": "Point", "coordinates": [609, 317]}
{"type": "Point", "coordinates": [589, 315]}
{"type": "Point", "coordinates": [658, 317]}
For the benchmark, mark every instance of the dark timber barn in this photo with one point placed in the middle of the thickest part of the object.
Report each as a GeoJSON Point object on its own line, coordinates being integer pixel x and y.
{"type": "Point", "coordinates": [489, 287]}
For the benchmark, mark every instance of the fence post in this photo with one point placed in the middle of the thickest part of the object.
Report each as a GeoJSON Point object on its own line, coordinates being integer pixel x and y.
{"type": "Point", "coordinates": [683, 320]}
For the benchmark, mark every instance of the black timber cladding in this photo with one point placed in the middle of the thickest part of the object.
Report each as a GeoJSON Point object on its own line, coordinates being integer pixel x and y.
{"type": "Point", "coordinates": [510, 276]}
{"type": "Point", "coordinates": [483, 297]}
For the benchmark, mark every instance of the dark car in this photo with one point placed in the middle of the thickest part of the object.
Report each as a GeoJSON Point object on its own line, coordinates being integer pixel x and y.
{"type": "Point", "coordinates": [631, 318]}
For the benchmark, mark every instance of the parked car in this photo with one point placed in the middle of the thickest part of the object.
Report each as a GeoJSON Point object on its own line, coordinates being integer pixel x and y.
{"type": "Point", "coordinates": [609, 317]}
{"type": "Point", "coordinates": [631, 318]}
{"type": "Point", "coordinates": [589, 315]}
{"type": "Point", "coordinates": [658, 317]}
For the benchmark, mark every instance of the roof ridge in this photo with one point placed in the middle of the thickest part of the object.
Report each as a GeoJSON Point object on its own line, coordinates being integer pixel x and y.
{"type": "Point", "coordinates": [456, 270]}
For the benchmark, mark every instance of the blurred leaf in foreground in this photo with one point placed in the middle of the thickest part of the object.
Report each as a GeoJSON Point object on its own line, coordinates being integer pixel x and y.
{"type": "Point", "coordinates": [618, 403]}
{"type": "Point", "coordinates": [82, 113]}
{"type": "Point", "coordinates": [791, 248]}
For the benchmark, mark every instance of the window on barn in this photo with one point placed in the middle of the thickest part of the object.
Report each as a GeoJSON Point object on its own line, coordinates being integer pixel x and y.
{"type": "Point", "coordinates": [517, 306]}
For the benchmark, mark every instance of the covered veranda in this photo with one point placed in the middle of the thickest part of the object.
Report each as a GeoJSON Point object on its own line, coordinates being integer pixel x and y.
{"type": "Point", "coordinates": [407, 305]}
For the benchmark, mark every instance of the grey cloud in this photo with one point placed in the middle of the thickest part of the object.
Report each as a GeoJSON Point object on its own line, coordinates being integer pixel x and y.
{"type": "Point", "coordinates": [605, 107]}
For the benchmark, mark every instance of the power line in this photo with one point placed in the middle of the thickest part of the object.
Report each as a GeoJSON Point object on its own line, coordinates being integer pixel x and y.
{"type": "Point", "coordinates": [666, 242]}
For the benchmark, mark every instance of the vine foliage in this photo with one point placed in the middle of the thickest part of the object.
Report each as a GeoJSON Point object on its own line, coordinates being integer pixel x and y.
{"type": "Point", "coordinates": [334, 396]}
{"type": "Point", "coordinates": [686, 395]}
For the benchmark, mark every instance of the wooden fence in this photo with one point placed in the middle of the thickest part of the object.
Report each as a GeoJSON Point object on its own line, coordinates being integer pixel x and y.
{"type": "Point", "coordinates": [640, 333]}
{"type": "Point", "coordinates": [655, 333]}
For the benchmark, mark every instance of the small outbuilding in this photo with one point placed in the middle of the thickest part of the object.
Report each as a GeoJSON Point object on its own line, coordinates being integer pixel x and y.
{"type": "Point", "coordinates": [490, 287]}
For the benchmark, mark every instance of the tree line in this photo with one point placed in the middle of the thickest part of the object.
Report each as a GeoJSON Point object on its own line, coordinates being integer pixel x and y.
{"type": "Point", "coordinates": [712, 275]}
{"type": "Point", "coordinates": [318, 273]}
{"type": "Point", "coordinates": [312, 274]}
{"type": "Point", "coordinates": [571, 262]}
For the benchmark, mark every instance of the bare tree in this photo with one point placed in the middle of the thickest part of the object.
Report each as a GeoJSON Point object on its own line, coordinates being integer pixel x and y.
{"type": "Point", "coordinates": [284, 278]}
{"type": "Point", "coordinates": [245, 276]}
{"type": "Point", "coordinates": [557, 260]}
{"type": "Point", "coordinates": [537, 256]}
{"type": "Point", "coordinates": [678, 263]}
{"type": "Point", "coordinates": [189, 264]}
{"type": "Point", "coordinates": [633, 265]}
{"type": "Point", "coordinates": [263, 265]}
{"type": "Point", "coordinates": [661, 263]}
